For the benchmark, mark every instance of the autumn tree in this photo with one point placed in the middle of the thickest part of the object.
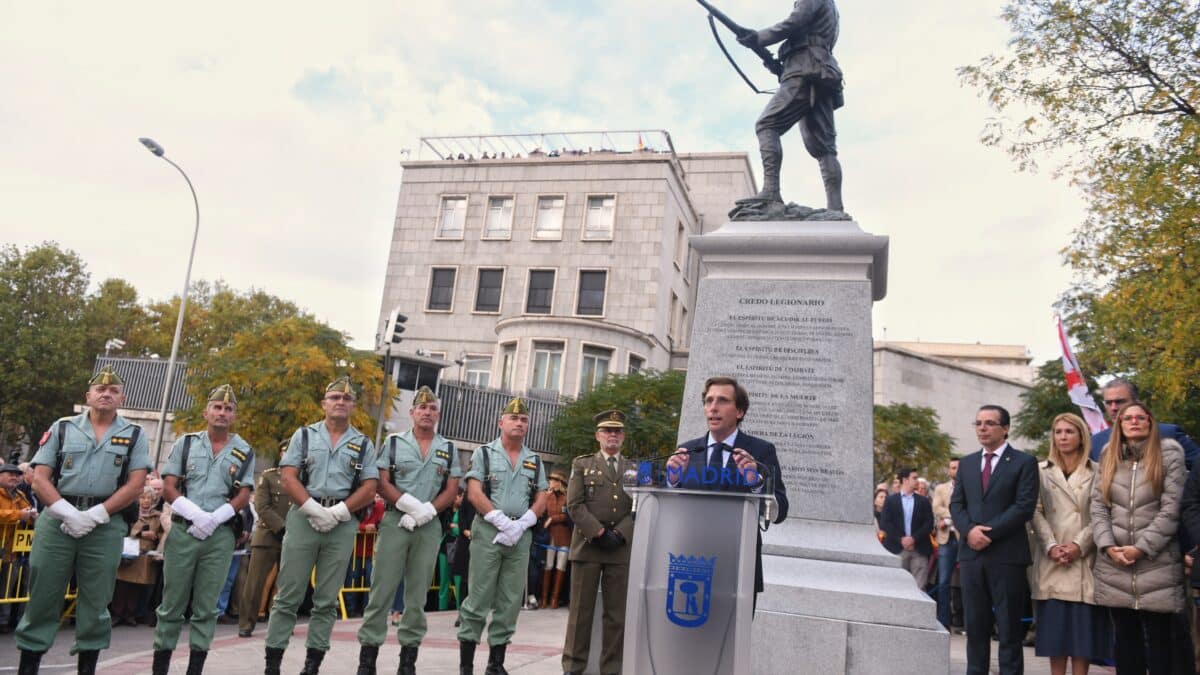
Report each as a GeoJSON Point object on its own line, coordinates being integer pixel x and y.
{"type": "Point", "coordinates": [279, 371]}
{"type": "Point", "coordinates": [651, 401]}
{"type": "Point", "coordinates": [909, 436]}
{"type": "Point", "coordinates": [1109, 90]}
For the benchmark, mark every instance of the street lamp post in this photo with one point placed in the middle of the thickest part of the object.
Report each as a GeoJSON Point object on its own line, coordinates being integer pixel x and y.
{"type": "Point", "coordinates": [187, 279]}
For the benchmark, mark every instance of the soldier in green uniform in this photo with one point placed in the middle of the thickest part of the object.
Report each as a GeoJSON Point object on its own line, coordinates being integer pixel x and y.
{"type": "Point", "coordinates": [603, 515]}
{"type": "Point", "coordinates": [207, 480]}
{"type": "Point", "coordinates": [506, 486]}
{"type": "Point", "coordinates": [329, 472]}
{"type": "Point", "coordinates": [418, 472]}
{"type": "Point", "coordinates": [89, 468]}
{"type": "Point", "coordinates": [272, 504]}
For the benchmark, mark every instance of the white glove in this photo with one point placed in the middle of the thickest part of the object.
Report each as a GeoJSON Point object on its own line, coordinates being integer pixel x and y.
{"type": "Point", "coordinates": [507, 538]}
{"type": "Point", "coordinates": [409, 504]}
{"type": "Point", "coordinates": [497, 518]}
{"type": "Point", "coordinates": [223, 513]}
{"type": "Point", "coordinates": [527, 520]}
{"type": "Point", "coordinates": [340, 512]}
{"type": "Point", "coordinates": [408, 522]}
{"type": "Point", "coordinates": [318, 516]}
{"type": "Point", "coordinates": [203, 526]}
{"type": "Point", "coordinates": [426, 514]}
{"type": "Point", "coordinates": [97, 514]}
{"type": "Point", "coordinates": [74, 524]}
{"type": "Point", "coordinates": [187, 509]}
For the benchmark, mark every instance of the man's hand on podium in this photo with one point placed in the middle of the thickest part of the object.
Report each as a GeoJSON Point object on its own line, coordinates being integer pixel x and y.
{"type": "Point", "coordinates": [678, 462]}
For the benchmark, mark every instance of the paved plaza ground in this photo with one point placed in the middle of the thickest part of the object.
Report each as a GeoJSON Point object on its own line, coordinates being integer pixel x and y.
{"type": "Point", "coordinates": [536, 650]}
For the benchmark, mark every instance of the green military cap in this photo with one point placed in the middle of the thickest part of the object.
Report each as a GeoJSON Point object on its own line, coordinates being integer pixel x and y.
{"type": "Point", "coordinates": [341, 385]}
{"type": "Point", "coordinates": [106, 376]}
{"type": "Point", "coordinates": [223, 393]}
{"type": "Point", "coordinates": [424, 395]}
{"type": "Point", "coordinates": [609, 419]}
{"type": "Point", "coordinates": [517, 406]}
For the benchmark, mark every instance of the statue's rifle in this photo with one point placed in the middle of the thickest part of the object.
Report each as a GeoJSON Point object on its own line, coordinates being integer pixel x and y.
{"type": "Point", "coordinates": [768, 59]}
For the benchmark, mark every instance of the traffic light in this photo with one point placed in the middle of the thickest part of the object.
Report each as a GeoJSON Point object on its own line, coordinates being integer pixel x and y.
{"type": "Point", "coordinates": [395, 327]}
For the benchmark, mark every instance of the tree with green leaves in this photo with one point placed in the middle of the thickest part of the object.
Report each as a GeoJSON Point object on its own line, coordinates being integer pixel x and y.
{"type": "Point", "coordinates": [651, 401]}
{"type": "Point", "coordinates": [1112, 89]}
{"type": "Point", "coordinates": [1042, 402]}
{"type": "Point", "coordinates": [43, 365]}
{"type": "Point", "coordinates": [279, 372]}
{"type": "Point", "coordinates": [909, 436]}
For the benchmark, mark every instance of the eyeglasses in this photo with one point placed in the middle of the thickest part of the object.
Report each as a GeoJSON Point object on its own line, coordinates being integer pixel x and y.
{"type": "Point", "coordinates": [1115, 402]}
{"type": "Point", "coordinates": [348, 398]}
{"type": "Point", "coordinates": [1134, 418]}
{"type": "Point", "coordinates": [609, 430]}
{"type": "Point", "coordinates": [986, 423]}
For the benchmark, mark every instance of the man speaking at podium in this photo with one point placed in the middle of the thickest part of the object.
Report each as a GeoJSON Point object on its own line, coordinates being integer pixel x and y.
{"type": "Point", "coordinates": [727, 459]}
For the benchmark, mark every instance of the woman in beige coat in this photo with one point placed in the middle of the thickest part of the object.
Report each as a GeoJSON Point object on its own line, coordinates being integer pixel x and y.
{"type": "Point", "coordinates": [1069, 625]}
{"type": "Point", "coordinates": [1139, 569]}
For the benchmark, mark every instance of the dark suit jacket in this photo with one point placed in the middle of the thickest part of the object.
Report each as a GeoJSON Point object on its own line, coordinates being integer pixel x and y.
{"type": "Point", "coordinates": [891, 521]}
{"type": "Point", "coordinates": [1191, 451]}
{"type": "Point", "coordinates": [764, 453]}
{"type": "Point", "coordinates": [1006, 507]}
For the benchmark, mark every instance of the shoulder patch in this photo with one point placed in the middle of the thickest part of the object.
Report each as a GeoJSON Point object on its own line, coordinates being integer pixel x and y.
{"type": "Point", "coordinates": [529, 464]}
{"type": "Point", "coordinates": [357, 447]}
{"type": "Point", "coordinates": [442, 453]}
{"type": "Point", "coordinates": [45, 437]}
{"type": "Point", "coordinates": [239, 454]}
{"type": "Point", "coordinates": [120, 440]}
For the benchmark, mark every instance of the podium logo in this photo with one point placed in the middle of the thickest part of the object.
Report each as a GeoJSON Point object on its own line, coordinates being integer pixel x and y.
{"type": "Point", "coordinates": [689, 589]}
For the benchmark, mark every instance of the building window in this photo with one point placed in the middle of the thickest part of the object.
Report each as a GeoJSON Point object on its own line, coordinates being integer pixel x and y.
{"type": "Point", "coordinates": [441, 289]}
{"type": "Point", "coordinates": [508, 361]}
{"type": "Point", "coordinates": [452, 218]}
{"type": "Point", "coordinates": [477, 370]}
{"type": "Point", "coordinates": [636, 363]}
{"type": "Point", "coordinates": [601, 211]}
{"type": "Point", "coordinates": [681, 247]}
{"type": "Point", "coordinates": [548, 222]}
{"type": "Point", "coordinates": [593, 368]}
{"type": "Point", "coordinates": [499, 218]}
{"type": "Point", "coordinates": [547, 364]}
{"type": "Point", "coordinates": [673, 331]}
{"type": "Point", "coordinates": [540, 297]}
{"type": "Point", "coordinates": [487, 291]}
{"type": "Point", "coordinates": [590, 300]}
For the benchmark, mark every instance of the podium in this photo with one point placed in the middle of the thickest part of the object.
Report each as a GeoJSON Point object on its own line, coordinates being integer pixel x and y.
{"type": "Point", "coordinates": [691, 580]}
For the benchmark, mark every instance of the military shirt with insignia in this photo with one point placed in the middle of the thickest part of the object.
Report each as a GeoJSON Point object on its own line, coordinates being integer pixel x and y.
{"type": "Point", "coordinates": [510, 485]}
{"type": "Point", "coordinates": [91, 466]}
{"type": "Point", "coordinates": [419, 476]}
{"type": "Point", "coordinates": [209, 479]}
{"type": "Point", "coordinates": [331, 471]}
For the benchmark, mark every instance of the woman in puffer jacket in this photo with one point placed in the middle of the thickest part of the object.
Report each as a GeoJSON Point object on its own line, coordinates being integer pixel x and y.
{"type": "Point", "coordinates": [1139, 570]}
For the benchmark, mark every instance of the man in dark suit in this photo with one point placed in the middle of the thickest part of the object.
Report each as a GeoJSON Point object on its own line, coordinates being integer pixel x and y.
{"type": "Point", "coordinates": [994, 497]}
{"type": "Point", "coordinates": [734, 458]}
{"type": "Point", "coordinates": [907, 521]}
{"type": "Point", "coordinates": [1118, 392]}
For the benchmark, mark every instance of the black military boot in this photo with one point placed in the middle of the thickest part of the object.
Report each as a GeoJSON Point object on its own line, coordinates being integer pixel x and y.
{"type": "Point", "coordinates": [274, 657]}
{"type": "Point", "coordinates": [366, 659]}
{"type": "Point", "coordinates": [408, 661]}
{"type": "Point", "coordinates": [162, 662]}
{"type": "Point", "coordinates": [30, 662]}
{"type": "Point", "coordinates": [312, 662]}
{"type": "Point", "coordinates": [495, 664]}
{"type": "Point", "coordinates": [196, 662]}
{"type": "Point", "coordinates": [466, 657]}
{"type": "Point", "coordinates": [87, 661]}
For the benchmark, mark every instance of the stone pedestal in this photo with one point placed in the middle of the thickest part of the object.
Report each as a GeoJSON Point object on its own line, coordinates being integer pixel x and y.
{"type": "Point", "coordinates": [785, 307]}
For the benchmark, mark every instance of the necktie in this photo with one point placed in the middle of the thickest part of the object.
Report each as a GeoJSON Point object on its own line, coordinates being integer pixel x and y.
{"type": "Point", "coordinates": [716, 459]}
{"type": "Point", "coordinates": [987, 469]}
{"type": "Point", "coordinates": [612, 465]}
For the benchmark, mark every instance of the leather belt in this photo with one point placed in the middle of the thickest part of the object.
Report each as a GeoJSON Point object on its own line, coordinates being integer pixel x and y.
{"type": "Point", "coordinates": [328, 501]}
{"type": "Point", "coordinates": [80, 502]}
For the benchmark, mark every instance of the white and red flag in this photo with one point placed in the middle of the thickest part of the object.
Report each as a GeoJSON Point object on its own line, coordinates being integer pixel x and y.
{"type": "Point", "coordinates": [1077, 385]}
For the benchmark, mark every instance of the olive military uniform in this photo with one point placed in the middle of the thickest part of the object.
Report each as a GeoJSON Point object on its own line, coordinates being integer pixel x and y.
{"type": "Point", "coordinates": [597, 500]}
{"type": "Point", "coordinates": [333, 473]}
{"type": "Point", "coordinates": [91, 470]}
{"type": "Point", "coordinates": [403, 555]}
{"type": "Point", "coordinates": [498, 572]}
{"type": "Point", "coordinates": [194, 568]}
{"type": "Point", "coordinates": [272, 504]}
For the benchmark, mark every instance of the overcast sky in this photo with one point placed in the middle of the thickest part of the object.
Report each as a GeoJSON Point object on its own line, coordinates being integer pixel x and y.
{"type": "Point", "coordinates": [291, 119]}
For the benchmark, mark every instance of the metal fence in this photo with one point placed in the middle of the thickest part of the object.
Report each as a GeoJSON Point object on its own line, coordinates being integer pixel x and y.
{"type": "Point", "coordinates": [144, 380]}
{"type": "Point", "coordinates": [470, 413]}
